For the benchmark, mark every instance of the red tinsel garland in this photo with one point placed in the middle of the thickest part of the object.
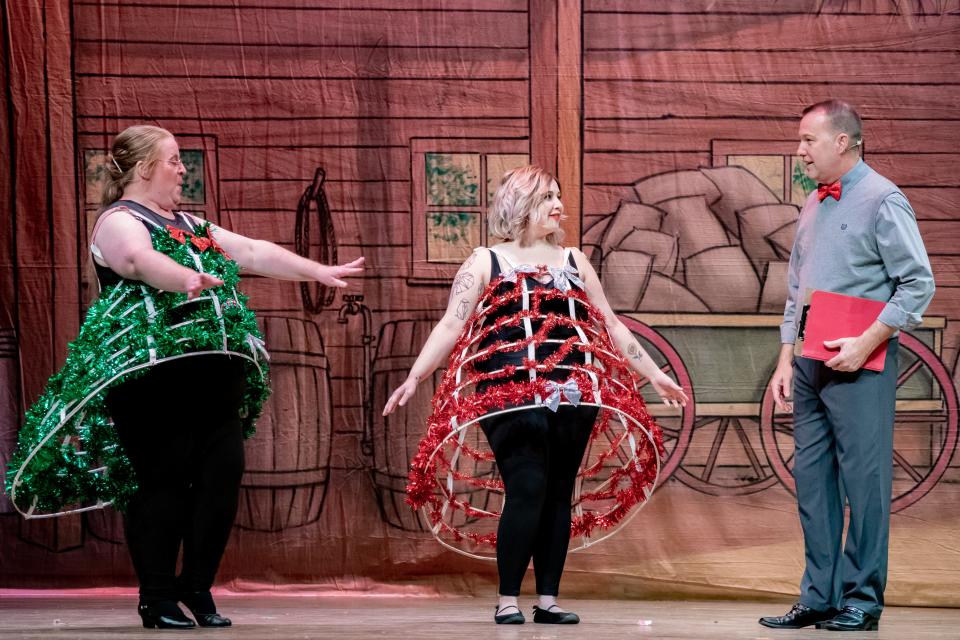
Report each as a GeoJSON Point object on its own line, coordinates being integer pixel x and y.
{"type": "Point", "coordinates": [626, 485]}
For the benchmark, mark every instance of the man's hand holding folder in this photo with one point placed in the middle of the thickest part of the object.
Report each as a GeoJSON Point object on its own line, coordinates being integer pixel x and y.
{"type": "Point", "coordinates": [844, 332]}
{"type": "Point", "coordinates": [853, 354]}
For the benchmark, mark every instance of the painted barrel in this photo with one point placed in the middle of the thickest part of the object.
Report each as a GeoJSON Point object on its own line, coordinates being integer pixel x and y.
{"type": "Point", "coordinates": [288, 460]}
{"type": "Point", "coordinates": [104, 524]}
{"type": "Point", "coordinates": [395, 438]}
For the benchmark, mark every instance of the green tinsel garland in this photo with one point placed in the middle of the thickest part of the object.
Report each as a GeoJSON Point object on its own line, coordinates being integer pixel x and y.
{"type": "Point", "coordinates": [82, 465]}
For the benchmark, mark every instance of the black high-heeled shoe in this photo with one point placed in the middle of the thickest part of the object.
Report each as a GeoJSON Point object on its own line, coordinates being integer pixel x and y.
{"type": "Point", "coordinates": [204, 610]}
{"type": "Point", "coordinates": [164, 614]}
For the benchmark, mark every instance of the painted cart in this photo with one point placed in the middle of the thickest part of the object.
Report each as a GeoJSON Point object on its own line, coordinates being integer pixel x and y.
{"type": "Point", "coordinates": [731, 439]}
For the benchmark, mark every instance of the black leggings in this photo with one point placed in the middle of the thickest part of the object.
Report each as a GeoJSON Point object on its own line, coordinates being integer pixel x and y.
{"type": "Point", "coordinates": [538, 454]}
{"type": "Point", "coordinates": [179, 427]}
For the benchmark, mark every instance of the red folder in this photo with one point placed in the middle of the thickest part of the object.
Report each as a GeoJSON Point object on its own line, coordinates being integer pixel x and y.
{"type": "Point", "coordinates": [829, 316]}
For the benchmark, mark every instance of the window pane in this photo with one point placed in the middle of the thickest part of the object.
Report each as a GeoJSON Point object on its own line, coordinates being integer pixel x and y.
{"type": "Point", "coordinates": [800, 184]}
{"type": "Point", "coordinates": [769, 169]}
{"type": "Point", "coordinates": [193, 185]}
{"type": "Point", "coordinates": [453, 179]}
{"type": "Point", "coordinates": [499, 164]}
{"type": "Point", "coordinates": [451, 235]}
{"type": "Point", "coordinates": [94, 174]}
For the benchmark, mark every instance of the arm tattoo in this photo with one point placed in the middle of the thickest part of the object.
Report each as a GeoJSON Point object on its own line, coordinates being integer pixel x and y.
{"type": "Point", "coordinates": [463, 282]}
{"type": "Point", "coordinates": [463, 309]}
{"type": "Point", "coordinates": [634, 351]}
{"type": "Point", "coordinates": [469, 261]}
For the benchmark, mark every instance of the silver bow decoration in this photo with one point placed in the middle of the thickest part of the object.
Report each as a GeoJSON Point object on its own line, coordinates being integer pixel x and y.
{"type": "Point", "coordinates": [569, 390]}
{"type": "Point", "coordinates": [525, 269]}
{"type": "Point", "coordinates": [564, 277]}
{"type": "Point", "coordinates": [257, 346]}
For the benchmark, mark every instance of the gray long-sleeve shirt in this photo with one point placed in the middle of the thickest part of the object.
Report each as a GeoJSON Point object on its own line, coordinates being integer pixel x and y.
{"type": "Point", "coordinates": [867, 244]}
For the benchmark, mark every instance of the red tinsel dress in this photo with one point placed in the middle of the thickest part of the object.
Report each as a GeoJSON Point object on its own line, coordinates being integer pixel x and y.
{"type": "Point", "coordinates": [533, 343]}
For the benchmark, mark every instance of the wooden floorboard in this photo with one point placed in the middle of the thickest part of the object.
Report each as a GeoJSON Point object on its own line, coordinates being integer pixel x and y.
{"type": "Point", "coordinates": [409, 618]}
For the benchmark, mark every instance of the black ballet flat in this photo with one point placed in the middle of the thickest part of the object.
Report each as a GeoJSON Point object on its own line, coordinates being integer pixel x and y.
{"type": "Point", "coordinates": [203, 609]}
{"type": "Point", "coordinates": [164, 615]}
{"type": "Point", "coordinates": [508, 618]}
{"type": "Point", "coordinates": [545, 616]}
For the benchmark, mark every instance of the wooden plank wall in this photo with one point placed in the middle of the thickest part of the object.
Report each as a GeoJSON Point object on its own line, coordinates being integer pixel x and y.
{"type": "Point", "coordinates": [8, 293]}
{"type": "Point", "coordinates": [660, 84]}
{"type": "Point", "coordinates": [287, 87]}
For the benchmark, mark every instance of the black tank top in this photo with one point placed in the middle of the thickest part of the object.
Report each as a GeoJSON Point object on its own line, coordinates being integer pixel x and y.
{"type": "Point", "coordinates": [560, 307]}
{"type": "Point", "coordinates": [107, 276]}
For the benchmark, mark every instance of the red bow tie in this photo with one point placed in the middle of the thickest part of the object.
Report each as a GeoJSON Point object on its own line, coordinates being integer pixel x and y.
{"type": "Point", "coordinates": [825, 190]}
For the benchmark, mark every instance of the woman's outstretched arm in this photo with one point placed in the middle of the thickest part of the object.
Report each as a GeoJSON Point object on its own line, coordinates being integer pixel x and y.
{"type": "Point", "coordinates": [468, 284]}
{"type": "Point", "coordinates": [265, 258]}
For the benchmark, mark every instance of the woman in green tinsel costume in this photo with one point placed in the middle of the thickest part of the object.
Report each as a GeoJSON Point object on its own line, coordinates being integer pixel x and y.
{"type": "Point", "coordinates": [165, 380]}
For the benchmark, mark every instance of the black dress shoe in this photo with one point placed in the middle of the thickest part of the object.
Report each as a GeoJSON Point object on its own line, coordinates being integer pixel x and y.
{"type": "Point", "coordinates": [545, 616]}
{"type": "Point", "coordinates": [798, 617]}
{"type": "Point", "coordinates": [164, 614]}
{"type": "Point", "coordinates": [515, 617]}
{"type": "Point", "coordinates": [204, 610]}
{"type": "Point", "coordinates": [852, 619]}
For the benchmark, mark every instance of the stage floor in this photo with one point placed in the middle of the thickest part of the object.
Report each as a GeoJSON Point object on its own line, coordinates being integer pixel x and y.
{"type": "Point", "coordinates": [86, 617]}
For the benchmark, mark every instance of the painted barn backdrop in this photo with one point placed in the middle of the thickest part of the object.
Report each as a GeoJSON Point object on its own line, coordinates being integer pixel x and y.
{"type": "Point", "coordinates": [379, 128]}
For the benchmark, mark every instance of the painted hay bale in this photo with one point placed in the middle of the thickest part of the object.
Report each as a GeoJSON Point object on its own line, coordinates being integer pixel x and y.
{"type": "Point", "coordinates": [624, 278]}
{"type": "Point", "coordinates": [675, 184]}
{"type": "Point", "coordinates": [781, 240]}
{"type": "Point", "coordinates": [694, 224]}
{"type": "Point", "coordinates": [593, 234]}
{"type": "Point", "coordinates": [630, 217]}
{"type": "Point", "coordinates": [756, 223]}
{"type": "Point", "coordinates": [667, 295]}
{"type": "Point", "coordinates": [592, 237]}
{"type": "Point", "coordinates": [774, 293]}
{"type": "Point", "coordinates": [663, 247]}
{"type": "Point", "coordinates": [724, 279]}
{"type": "Point", "coordinates": [740, 190]}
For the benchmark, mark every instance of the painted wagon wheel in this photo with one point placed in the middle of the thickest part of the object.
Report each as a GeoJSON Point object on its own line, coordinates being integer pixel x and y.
{"type": "Point", "coordinates": [725, 457]}
{"type": "Point", "coordinates": [315, 239]}
{"type": "Point", "coordinates": [677, 429]}
{"type": "Point", "coordinates": [926, 408]}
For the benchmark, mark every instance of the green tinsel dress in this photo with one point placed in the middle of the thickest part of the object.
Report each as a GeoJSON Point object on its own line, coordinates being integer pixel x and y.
{"type": "Point", "coordinates": [67, 458]}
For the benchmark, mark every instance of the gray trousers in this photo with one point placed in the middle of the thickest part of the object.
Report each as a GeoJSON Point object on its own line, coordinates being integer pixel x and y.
{"type": "Point", "coordinates": [843, 431]}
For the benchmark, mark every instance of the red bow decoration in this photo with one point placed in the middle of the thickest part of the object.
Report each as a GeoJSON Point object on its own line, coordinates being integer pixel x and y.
{"type": "Point", "coordinates": [200, 242]}
{"type": "Point", "coordinates": [825, 190]}
{"type": "Point", "coordinates": [177, 234]}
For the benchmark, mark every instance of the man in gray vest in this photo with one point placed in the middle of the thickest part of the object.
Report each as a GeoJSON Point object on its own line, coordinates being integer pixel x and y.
{"type": "Point", "coordinates": [857, 235]}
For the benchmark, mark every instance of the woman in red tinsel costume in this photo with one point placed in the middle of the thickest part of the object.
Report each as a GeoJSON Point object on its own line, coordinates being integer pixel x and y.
{"type": "Point", "coordinates": [539, 361]}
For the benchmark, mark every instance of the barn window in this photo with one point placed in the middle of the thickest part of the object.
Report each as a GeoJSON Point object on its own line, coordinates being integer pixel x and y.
{"type": "Point", "coordinates": [453, 184]}
{"type": "Point", "coordinates": [772, 162]}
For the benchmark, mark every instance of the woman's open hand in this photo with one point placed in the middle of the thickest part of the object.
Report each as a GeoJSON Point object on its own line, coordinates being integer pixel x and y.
{"type": "Point", "coordinates": [400, 395]}
{"type": "Point", "coordinates": [331, 275]}
{"type": "Point", "coordinates": [197, 282]}
{"type": "Point", "coordinates": [669, 391]}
